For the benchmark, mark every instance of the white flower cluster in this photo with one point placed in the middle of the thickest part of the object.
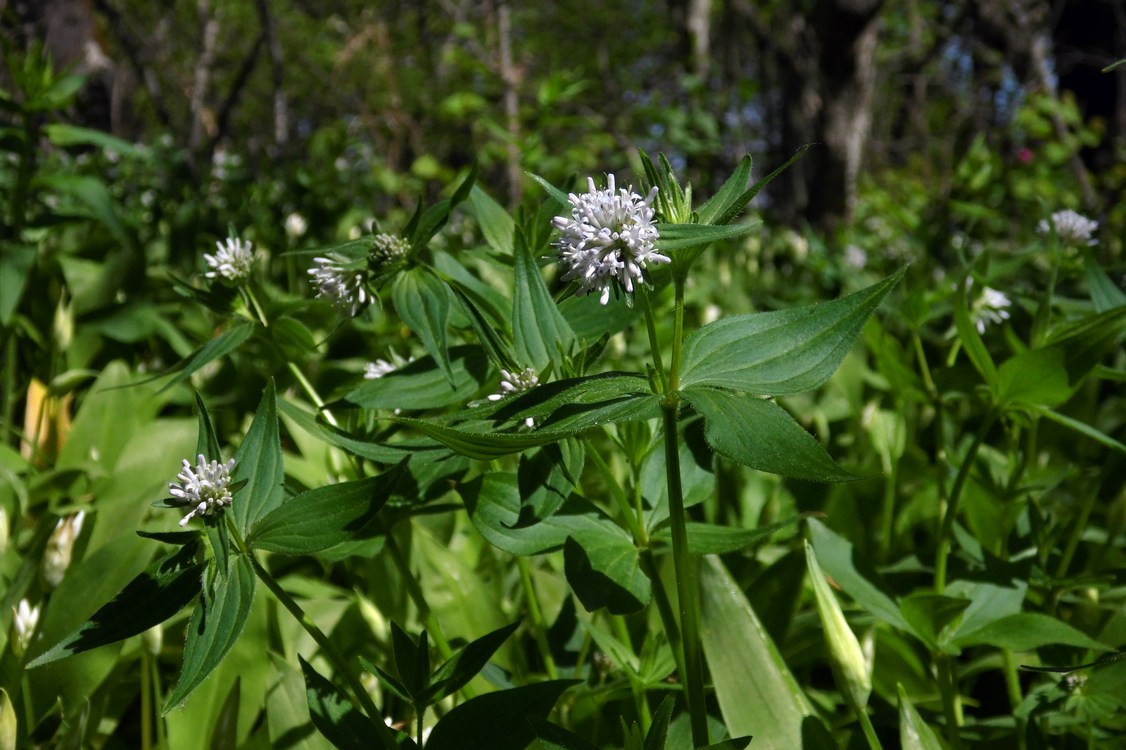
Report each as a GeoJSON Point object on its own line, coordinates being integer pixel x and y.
{"type": "Point", "coordinates": [339, 281]}
{"type": "Point", "coordinates": [377, 369]}
{"type": "Point", "coordinates": [512, 383]}
{"type": "Point", "coordinates": [207, 487]}
{"type": "Point", "coordinates": [608, 239]}
{"type": "Point", "coordinates": [387, 249]}
{"type": "Point", "coordinates": [232, 262]}
{"type": "Point", "coordinates": [25, 618]}
{"type": "Point", "coordinates": [1071, 227]}
{"type": "Point", "coordinates": [60, 547]}
{"type": "Point", "coordinates": [990, 308]}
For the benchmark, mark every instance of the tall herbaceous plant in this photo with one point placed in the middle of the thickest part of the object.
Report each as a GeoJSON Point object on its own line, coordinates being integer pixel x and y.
{"type": "Point", "coordinates": [558, 459]}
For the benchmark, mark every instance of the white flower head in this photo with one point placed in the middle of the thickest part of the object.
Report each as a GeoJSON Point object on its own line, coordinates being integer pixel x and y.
{"type": "Point", "coordinates": [512, 383]}
{"type": "Point", "coordinates": [377, 369]}
{"type": "Point", "coordinates": [25, 618]}
{"type": "Point", "coordinates": [295, 225]}
{"type": "Point", "coordinates": [60, 547]}
{"type": "Point", "coordinates": [206, 488]}
{"type": "Point", "coordinates": [387, 250]}
{"type": "Point", "coordinates": [1072, 227]}
{"type": "Point", "coordinates": [341, 281]}
{"type": "Point", "coordinates": [232, 263]}
{"type": "Point", "coordinates": [990, 308]}
{"type": "Point", "coordinates": [607, 241]}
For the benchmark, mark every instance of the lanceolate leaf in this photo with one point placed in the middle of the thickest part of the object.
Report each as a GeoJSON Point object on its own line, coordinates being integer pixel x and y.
{"type": "Point", "coordinates": [155, 595]}
{"type": "Point", "coordinates": [496, 225]}
{"type": "Point", "coordinates": [220, 346]}
{"type": "Point", "coordinates": [321, 518]}
{"type": "Point", "coordinates": [335, 717]}
{"type": "Point", "coordinates": [684, 236]}
{"type": "Point", "coordinates": [779, 352]}
{"type": "Point", "coordinates": [215, 625]}
{"type": "Point", "coordinates": [725, 201]}
{"type": "Point", "coordinates": [498, 721]}
{"type": "Point", "coordinates": [756, 692]}
{"type": "Point", "coordinates": [539, 331]}
{"type": "Point", "coordinates": [914, 734]}
{"type": "Point", "coordinates": [423, 303]}
{"type": "Point", "coordinates": [259, 464]}
{"type": "Point", "coordinates": [1026, 631]}
{"type": "Point", "coordinates": [603, 567]}
{"type": "Point", "coordinates": [466, 662]}
{"type": "Point", "coordinates": [423, 385]}
{"type": "Point", "coordinates": [762, 435]}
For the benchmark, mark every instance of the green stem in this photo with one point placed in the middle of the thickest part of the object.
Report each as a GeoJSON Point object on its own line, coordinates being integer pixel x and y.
{"type": "Point", "coordinates": [636, 522]}
{"type": "Point", "coordinates": [1077, 530]}
{"type": "Point", "coordinates": [539, 627]}
{"type": "Point", "coordinates": [651, 328]}
{"type": "Point", "coordinates": [924, 368]}
{"type": "Point", "coordinates": [951, 512]}
{"type": "Point", "coordinates": [677, 334]}
{"type": "Point", "coordinates": [1016, 696]}
{"type": "Point", "coordinates": [868, 729]}
{"type": "Point", "coordinates": [887, 521]}
{"type": "Point", "coordinates": [636, 688]}
{"type": "Point", "coordinates": [664, 608]}
{"type": "Point", "coordinates": [360, 695]}
{"type": "Point", "coordinates": [10, 356]}
{"type": "Point", "coordinates": [315, 397]}
{"type": "Point", "coordinates": [950, 707]}
{"type": "Point", "coordinates": [146, 701]}
{"type": "Point", "coordinates": [687, 585]}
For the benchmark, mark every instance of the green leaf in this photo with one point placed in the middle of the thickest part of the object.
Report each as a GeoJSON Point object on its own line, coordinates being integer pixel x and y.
{"type": "Point", "coordinates": [1082, 428]}
{"type": "Point", "coordinates": [736, 207]}
{"type": "Point", "coordinates": [335, 717]}
{"type": "Point", "coordinates": [258, 462]}
{"type": "Point", "coordinates": [854, 574]}
{"type": "Point", "coordinates": [420, 450]}
{"type": "Point", "coordinates": [423, 227]}
{"type": "Point", "coordinates": [558, 195]}
{"type": "Point", "coordinates": [929, 614]}
{"type": "Point", "coordinates": [657, 736]}
{"type": "Point", "coordinates": [1026, 631]}
{"type": "Point", "coordinates": [422, 385]}
{"type": "Point", "coordinates": [762, 435]}
{"type": "Point", "coordinates": [914, 734]}
{"type": "Point", "coordinates": [423, 303]}
{"type": "Point", "coordinates": [736, 743]}
{"type": "Point", "coordinates": [783, 351]}
{"type": "Point", "coordinates": [709, 539]}
{"type": "Point", "coordinates": [16, 263]}
{"type": "Point", "coordinates": [466, 662]}
{"type": "Point", "coordinates": [554, 737]}
{"type": "Point", "coordinates": [214, 627]}
{"type": "Point", "coordinates": [207, 442]}
{"type": "Point", "coordinates": [497, 227]}
{"type": "Point", "coordinates": [853, 676]}
{"type": "Point", "coordinates": [675, 237]}
{"type": "Point", "coordinates": [65, 135]}
{"type": "Point", "coordinates": [725, 201]}
{"type": "Point", "coordinates": [493, 502]}
{"type": "Point", "coordinates": [546, 476]}
{"type": "Point", "coordinates": [1105, 294]}
{"type": "Point", "coordinates": [756, 692]}
{"type": "Point", "coordinates": [971, 340]}
{"type": "Point", "coordinates": [220, 346]}
{"type": "Point", "coordinates": [321, 518]}
{"type": "Point", "coordinates": [489, 334]}
{"type": "Point", "coordinates": [154, 596]}
{"type": "Point", "coordinates": [1033, 378]}
{"type": "Point", "coordinates": [498, 721]}
{"type": "Point", "coordinates": [9, 724]}
{"type": "Point", "coordinates": [540, 333]}
{"type": "Point", "coordinates": [603, 567]}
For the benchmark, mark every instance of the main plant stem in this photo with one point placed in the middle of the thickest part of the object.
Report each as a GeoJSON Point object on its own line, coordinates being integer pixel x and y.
{"type": "Point", "coordinates": [687, 573]}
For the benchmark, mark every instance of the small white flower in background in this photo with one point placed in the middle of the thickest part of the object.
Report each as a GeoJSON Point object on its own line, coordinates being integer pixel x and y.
{"type": "Point", "coordinates": [991, 307]}
{"type": "Point", "coordinates": [232, 262]}
{"type": "Point", "coordinates": [60, 547]}
{"type": "Point", "coordinates": [341, 282]}
{"type": "Point", "coordinates": [1071, 227]}
{"type": "Point", "coordinates": [295, 225]}
{"type": "Point", "coordinates": [388, 249]}
{"type": "Point", "coordinates": [24, 620]}
{"type": "Point", "coordinates": [512, 383]}
{"type": "Point", "coordinates": [608, 239]}
{"type": "Point", "coordinates": [855, 257]}
{"type": "Point", "coordinates": [206, 488]}
{"type": "Point", "coordinates": [377, 369]}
